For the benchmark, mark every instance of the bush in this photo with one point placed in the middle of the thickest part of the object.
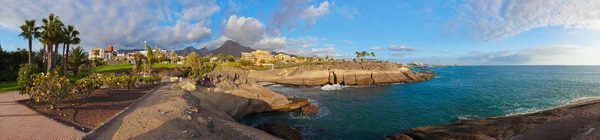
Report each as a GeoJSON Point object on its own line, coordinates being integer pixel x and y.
{"type": "Point", "coordinates": [25, 80]}
{"type": "Point", "coordinates": [85, 86]}
{"type": "Point", "coordinates": [244, 62]}
{"type": "Point", "coordinates": [128, 81]}
{"type": "Point", "coordinates": [200, 71]}
{"type": "Point", "coordinates": [153, 79]}
{"type": "Point", "coordinates": [111, 81]}
{"type": "Point", "coordinates": [51, 88]}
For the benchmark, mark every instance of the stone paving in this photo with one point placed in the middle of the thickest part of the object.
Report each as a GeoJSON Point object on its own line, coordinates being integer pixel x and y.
{"type": "Point", "coordinates": [19, 122]}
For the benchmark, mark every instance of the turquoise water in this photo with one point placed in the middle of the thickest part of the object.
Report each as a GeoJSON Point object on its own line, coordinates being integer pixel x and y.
{"type": "Point", "coordinates": [471, 91]}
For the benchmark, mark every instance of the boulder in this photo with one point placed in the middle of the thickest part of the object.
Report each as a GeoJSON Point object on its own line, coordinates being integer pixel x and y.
{"type": "Point", "coordinates": [281, 131]}
{"type": "Point", "coordinates": [310, 109]}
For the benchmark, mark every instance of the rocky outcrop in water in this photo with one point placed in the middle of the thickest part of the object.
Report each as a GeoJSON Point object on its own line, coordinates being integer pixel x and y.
{"type": "Point", "coordinates": [578, 120]}
{"type": "Point", "coordinates": [343, 73]}
{"type": "Point", "coordinates": [232, 91]}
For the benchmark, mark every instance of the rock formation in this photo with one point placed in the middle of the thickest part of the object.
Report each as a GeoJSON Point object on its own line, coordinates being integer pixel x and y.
{"type": "Point", "coordinates": [232, 91]}
{"type": "Point", "coordinates": [578, 120]}
{"type": "Point", "coordinates": [343, 73]}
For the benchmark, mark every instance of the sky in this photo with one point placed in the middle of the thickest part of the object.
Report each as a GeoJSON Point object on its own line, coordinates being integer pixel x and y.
{"type": "Point", "coordinates": [466, 32]}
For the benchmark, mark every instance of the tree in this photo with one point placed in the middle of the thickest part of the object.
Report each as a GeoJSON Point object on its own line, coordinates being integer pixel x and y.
{"type": "Point", "coordinates": [192, 60]}
{"type": "Point", "coordinates": [29, 32]}
{"type": "Point", "coordinates": [372, 54]}
{"type": "Point", "coordinates": [230, 58]}
{"type": "Point", "coordinates": [138, 57]}
{"type": "Point", "coordinates": [220, 57]}
{"type": "Point", "coordinates": [173, 57]}
{"type": "Point", "coordinates": [52, 28]}
{"type": "Point", "coordinates": [357, 54]}
{"type": "Point", "coordinates": [150, 56]}
{"type": "Point", "coordinates": [77, 58]}
{"type": "Point", "coordinates": [70, 38]}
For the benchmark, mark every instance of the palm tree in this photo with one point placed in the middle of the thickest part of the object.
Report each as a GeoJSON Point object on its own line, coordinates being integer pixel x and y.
{"type": "Point", "coordinates": [150, 56]}
{"type": "Point", "coordinates": [357, 54]}
{"type": "Point", "coordinates": [77, 58]}
{"type": "Point", "coordinates": [372, 54]}
{"type": "Point", "coordinates": [29, 32]}
{"type": "Point", "coordinates": [138, 58]}
{"type": "Point", "coordinates": [70, 38]}
{"type": "Point", "coordinates": [363, 54]}
{"type": "Point", "coordinates": [51, 26]}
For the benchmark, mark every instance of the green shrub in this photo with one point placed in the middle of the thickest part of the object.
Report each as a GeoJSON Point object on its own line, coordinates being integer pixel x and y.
{"type": "Point", "coordinates": [25, 79]}
{"type": "Point", "coordinates": [244, 62]}
{"type": "Point", "coordinates": [85, 86]}
{"type": "Point", "coordinates": [153, 79]}
{"type": "Point", "coordinates": [128, 81]}
{"type": "Point", "coordinates": [111, 81]}
{"type": "Point", "coordinates": [51, 88]}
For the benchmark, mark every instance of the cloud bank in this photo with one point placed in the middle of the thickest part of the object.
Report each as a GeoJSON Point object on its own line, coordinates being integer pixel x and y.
{"type": "Point", "coordinates": [491, 20]}
{"type": "Point", "coordinates": [125, 24]}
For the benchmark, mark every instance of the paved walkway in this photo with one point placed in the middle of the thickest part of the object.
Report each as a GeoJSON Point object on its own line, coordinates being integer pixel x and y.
{"type": "Point", "coordinates": [18, 122]}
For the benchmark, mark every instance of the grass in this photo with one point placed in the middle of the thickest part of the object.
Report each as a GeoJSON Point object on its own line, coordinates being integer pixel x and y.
{"type": "Point", "coordinates": [228, 64]}
{"type": "Point", "coordinates": [11, 86]}
{"type": "Point", "coordinates": [118, 67]}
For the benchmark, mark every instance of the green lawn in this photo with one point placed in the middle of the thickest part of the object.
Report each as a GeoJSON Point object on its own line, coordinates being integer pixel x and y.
{"type": "Point", "coordinates": [6, 87]}
{"type": "Point", "coordinates": [114, 68]}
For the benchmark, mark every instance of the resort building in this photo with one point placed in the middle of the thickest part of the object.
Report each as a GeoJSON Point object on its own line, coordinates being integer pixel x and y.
{"type": "Point", "coordinates": [107, 54]}
{"type": "Point", "coordinates": [262, 56]}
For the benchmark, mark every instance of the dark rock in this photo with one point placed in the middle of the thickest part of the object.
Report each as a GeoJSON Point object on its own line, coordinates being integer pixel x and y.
{"type": "Point", "coordinates": [281, 131]}
{"type": "Point", "coordinates": [310, 109]}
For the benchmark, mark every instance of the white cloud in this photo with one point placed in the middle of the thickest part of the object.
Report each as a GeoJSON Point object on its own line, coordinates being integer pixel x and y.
{"type": "Point", "coordinates": [124, 24]}
{"type": "Point", "coordinates": [311, 13]}
{"type": "Point", "coordinates": [329, 45]}
{"type": "Point", "coordinates": [532, 54]}
{"type": "Point", "coordinates": [323, 50]}
{"type": "Point", "coordinates": [347, 42]}
{"type": "Point", "coordinates": [290, 11]}
{"type": "Point", "coordinates": [9, 38]}
{"type": "Point", "coordinates": [376, 48]}
{"type": "Point", "coordinates": [347, 12]}
{"type": "Point", "coordinates": [215, 43]}
{"type": "Point", "coordinates": [402, 48]}
{"type": "Point", "coordinates": [497, 19]}
{"type": "Point", "coordinates": [304, 42]}
{"type": "Point", "coordinates": [233, 7]}
{"type": "Point", "coordinates": [276, 44]}
{"type": "Point", "coordinates": [244, 30]}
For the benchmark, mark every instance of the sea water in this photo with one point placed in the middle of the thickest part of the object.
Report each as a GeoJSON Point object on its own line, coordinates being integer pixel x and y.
{"type": "Point", "coordinates": [372, 112]}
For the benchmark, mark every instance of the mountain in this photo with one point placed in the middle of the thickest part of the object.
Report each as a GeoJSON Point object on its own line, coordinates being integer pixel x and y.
{"type": "Point", "coordinates": [190, 49]}
{"type": "Point", "coordinates": [231, 48]}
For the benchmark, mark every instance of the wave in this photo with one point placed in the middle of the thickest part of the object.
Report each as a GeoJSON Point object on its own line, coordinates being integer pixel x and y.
{"type": "Point", "coordinates": [332, 87]}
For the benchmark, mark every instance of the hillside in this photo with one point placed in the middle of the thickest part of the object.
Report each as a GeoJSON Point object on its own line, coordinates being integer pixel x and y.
{"type": "Point", "coordinates": [231, 48]}
{"type": "Point", "coordinates": [190, 49]}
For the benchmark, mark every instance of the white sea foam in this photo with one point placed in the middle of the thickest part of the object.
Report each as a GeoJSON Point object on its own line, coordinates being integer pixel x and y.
{"type": "Point", "coordinates": [276, 85]}
{"type": "Point", "coordinates": [332, 87]}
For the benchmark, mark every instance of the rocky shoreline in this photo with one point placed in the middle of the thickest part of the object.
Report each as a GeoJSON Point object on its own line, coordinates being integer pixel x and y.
{"type": "Point", "coordinates": [343, 73]}
{"type": "Point", "coordinates": [211, 107]}
{"type": "Point", "coordinates": [578, 120]}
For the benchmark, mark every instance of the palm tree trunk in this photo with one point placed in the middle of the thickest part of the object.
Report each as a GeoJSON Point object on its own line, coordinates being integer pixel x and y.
{"type": "Point", "coordinates": [67, 57]}
{"type": "Point", "coordinates": [29, 53]}
{"type": "Point", "coordinates": [55, 56]}
{"type": "Point", "coordinates": [49, 57]}
{"type": "Point", "coordinates": [64, 65]}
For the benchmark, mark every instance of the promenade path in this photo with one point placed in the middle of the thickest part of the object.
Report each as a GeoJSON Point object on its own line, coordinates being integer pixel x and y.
{"type": "Point", "coordinates": [19, 122]}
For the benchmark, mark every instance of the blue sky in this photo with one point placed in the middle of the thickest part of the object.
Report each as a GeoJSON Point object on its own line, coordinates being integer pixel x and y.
{"type": "Point", "coordinates": [469, 32]}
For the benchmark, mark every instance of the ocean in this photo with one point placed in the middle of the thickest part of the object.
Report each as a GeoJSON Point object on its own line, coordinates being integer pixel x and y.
{"type": "Point", "coordinates": [372, 112]}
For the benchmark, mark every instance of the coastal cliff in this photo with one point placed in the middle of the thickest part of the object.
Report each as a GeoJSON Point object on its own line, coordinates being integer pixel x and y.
{"type": "Point", "coordinates": [343, 73]}
{"type": "Point", "coordinates": [231, 90]}
{"type": "Point", "coordinates": [577, 120]}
